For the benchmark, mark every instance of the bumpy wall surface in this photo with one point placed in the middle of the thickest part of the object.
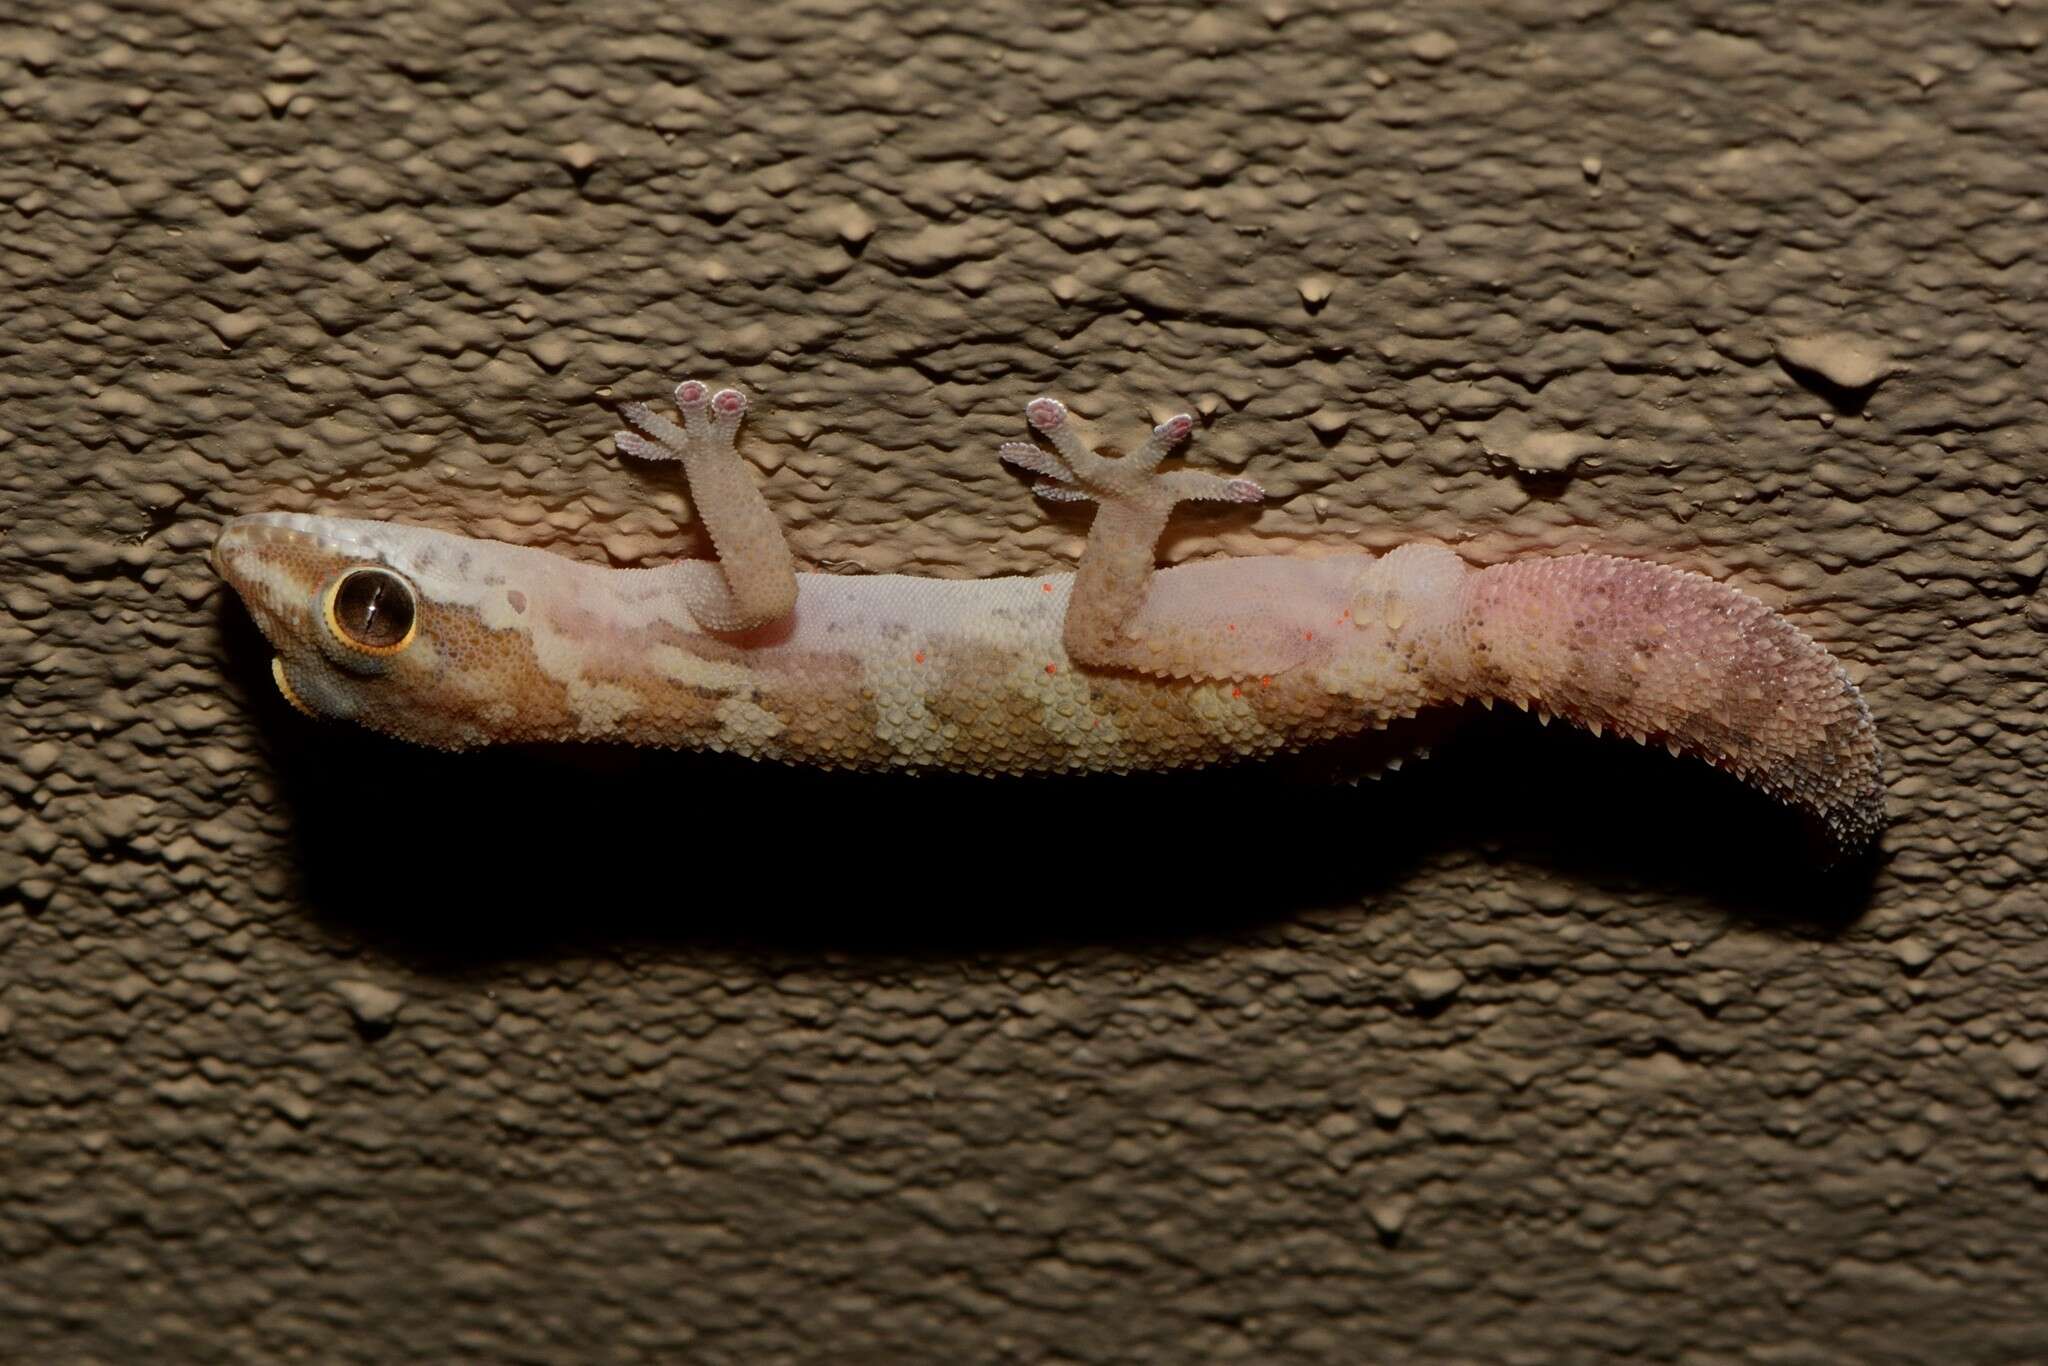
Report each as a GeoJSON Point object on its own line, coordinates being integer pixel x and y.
{"type": "Point", "coordinates": [317, 1047]}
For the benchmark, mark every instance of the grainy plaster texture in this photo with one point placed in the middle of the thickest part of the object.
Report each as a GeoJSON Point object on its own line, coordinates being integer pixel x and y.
{"type": "Point", "coordinates": [316, 1047]}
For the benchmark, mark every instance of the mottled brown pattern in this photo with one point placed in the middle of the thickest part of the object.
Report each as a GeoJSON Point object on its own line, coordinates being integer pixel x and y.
{"type": "Point", "coordinates": [999, 729]}
{"type": "Point", "coordinates": [670, 712]}
{"type": "Point", "coordinates": [827, 718]}
{"type": "Point", "coordinates": [493, 678]}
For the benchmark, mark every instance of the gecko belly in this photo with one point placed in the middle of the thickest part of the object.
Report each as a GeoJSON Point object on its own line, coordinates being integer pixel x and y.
{"type": "Point", "coordinates": [887, 671]}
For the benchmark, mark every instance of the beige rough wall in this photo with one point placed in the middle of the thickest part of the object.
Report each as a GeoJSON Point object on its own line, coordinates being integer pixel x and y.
{"type": "Point", "coordinates": [315, 1047]}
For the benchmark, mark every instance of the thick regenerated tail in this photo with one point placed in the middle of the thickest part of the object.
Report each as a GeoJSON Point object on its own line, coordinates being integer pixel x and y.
{"type": "Point", "coordinates": [1661, 654]}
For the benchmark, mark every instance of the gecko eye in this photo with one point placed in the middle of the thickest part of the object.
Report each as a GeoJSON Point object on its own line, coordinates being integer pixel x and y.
{"type": "Point", "coordinates": [372, 610]}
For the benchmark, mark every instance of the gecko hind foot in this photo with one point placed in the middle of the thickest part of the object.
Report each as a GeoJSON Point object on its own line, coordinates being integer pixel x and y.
{"type": "Point", "coordinates": [1108, 624]}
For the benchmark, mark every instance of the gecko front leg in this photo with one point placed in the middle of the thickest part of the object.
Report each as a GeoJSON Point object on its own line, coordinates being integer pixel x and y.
{"type": "Point", "coordinates": [759, 574]}
{"type": "Point", "coordinates": [1104, 626]}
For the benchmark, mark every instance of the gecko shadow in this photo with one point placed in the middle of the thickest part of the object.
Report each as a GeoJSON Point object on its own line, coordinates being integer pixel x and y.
{"type": "Point", "coordinates": [460, 861]}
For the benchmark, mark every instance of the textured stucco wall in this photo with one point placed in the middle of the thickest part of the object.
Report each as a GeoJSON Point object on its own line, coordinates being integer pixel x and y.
{"type": "Point", "coordinates": [314, 1046]}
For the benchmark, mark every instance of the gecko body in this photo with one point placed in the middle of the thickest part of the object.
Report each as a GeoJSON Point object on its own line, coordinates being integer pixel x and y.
{"type": "Point", "coordinates": [456, 642]}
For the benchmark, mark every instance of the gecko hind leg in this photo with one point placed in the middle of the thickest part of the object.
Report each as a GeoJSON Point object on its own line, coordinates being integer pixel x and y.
{"type": "Point", "coordinates": [1107, 624]}
{"type": "Point", "coordinates": [758, 572]}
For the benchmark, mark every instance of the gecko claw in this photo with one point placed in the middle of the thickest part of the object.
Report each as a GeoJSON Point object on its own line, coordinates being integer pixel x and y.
{"type": "Point", "coordinates": [1026, 456]}
{"type": "Point", "coordinates": [728, 406]}
{"type": "Point", "coordinates": [693, 401]}
{"type": "Point", "coordinates": [638, 446]}
{"type": "Point", "coordinates": [1045, 413]}
{"type": "Point", "coordinates": [669, 441]}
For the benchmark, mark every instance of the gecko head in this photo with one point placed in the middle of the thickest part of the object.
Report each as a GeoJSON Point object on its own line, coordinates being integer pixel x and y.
{"type": "Point", "coordinates": [365, 618]}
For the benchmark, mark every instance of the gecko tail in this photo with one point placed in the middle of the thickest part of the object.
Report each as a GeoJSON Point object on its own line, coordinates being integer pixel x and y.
{"type": "Point", "coordinates": [1667, 656]}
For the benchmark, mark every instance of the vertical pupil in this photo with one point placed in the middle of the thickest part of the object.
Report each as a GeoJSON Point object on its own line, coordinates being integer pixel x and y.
{"type": "Point", "coordinates": [374, 608]}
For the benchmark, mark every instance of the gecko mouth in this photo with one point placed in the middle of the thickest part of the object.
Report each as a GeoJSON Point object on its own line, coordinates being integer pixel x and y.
{"type": "Point", "coordinates": [267, 562]}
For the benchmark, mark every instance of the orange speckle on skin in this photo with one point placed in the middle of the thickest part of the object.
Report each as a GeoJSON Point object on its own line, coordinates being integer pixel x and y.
{"type": "Point", "coordinates": [919, 656]}
{"type": "Point", "coordinates": [1266, 681]}
{"type": "Point", "coordinates": [1052, 668]}
{"type": "Point", "coordinates": [1230, 626]}
{"type": "Point", "coordinates": [1045, 588]}
{"type": "Point", "coordinates": [1308, 635]}
{"type": "Point", "coordinates": [1237, 692]}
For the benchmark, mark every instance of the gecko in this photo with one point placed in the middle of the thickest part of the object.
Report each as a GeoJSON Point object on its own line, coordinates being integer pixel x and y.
{"type": "Point", "coordinates": [455, 642]}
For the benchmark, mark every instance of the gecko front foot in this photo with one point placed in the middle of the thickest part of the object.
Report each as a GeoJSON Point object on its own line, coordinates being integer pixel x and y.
{"type": "Point", "coordinates": [1115, 573]}
{"type": "Point", "coordinates": [759, 573]}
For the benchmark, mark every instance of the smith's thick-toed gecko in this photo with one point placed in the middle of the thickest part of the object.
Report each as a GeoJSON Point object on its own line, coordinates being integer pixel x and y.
{"type": "Point", "coordinates": [452, 641]}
